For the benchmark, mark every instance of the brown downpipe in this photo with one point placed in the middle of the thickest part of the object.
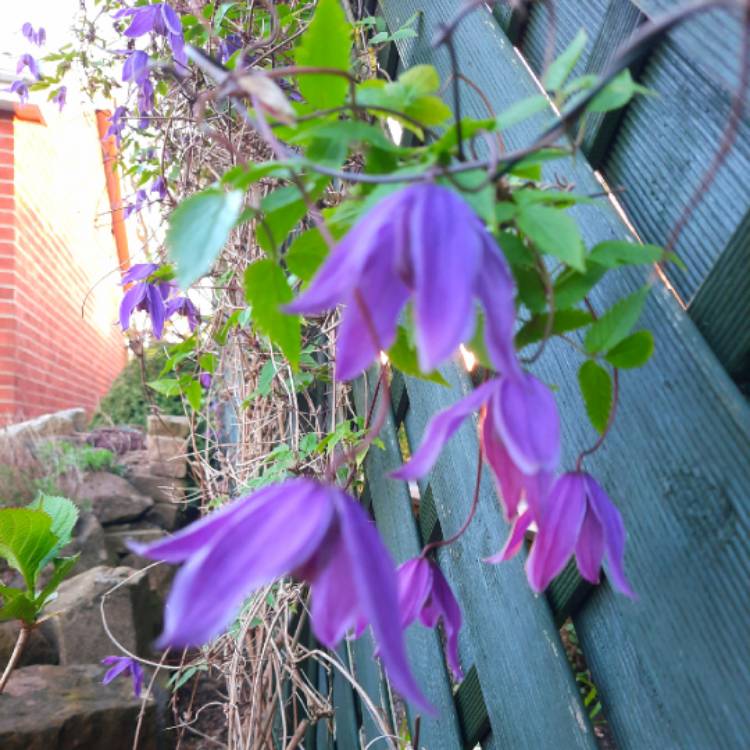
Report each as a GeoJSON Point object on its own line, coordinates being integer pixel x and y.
{"type": "Point", "coordinates": [109, 158]}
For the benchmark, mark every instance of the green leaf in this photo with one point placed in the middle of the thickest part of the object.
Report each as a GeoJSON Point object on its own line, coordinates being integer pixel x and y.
{"type": "Point", "coordinates": [617, 93]}
{"type": "Point", "coordinates": [26, 540]}
{"type": "Point", "coordinates": [64, 514]}
{"type": "Point", "coordinates": [17, 605]}
{"type": "Point", "coordinates": [62, 566]}
{"type": "Point", "coordinates": [266, 288]}
{"type": "Point", "coordinates": [616, 323]}
{"type": "Point", "coordinates": [633, 351]}
{"type": "Point", "coordinates": [193, 392]}
{"type": "Point", "coordinates": [167, 386]}
{"type": "Point", "coordinates": [419, 80]}
{"type": "Point", "coordinates": [562, 67]}
{"type": "Point", "coordinates": [198, 230]}
{"type": "Point", "coordinates": [571, 287]}
{"type": "Point", "coordinates": [404, 357]}
{"type": "Point", "coordinates": [326, 43]}
{"type": "Point", "coordinates": [596, 389]}
{"type": "Point", "coordinates": [554, 233]}
{"type": "Point", "coordinates": [615, 253]}
{"type": "Point", "coordinates": [306, 254]}
{"type": "Point", "coordinates": [522, 110]}
{"type": "Point", "coordinates": [564, 320]}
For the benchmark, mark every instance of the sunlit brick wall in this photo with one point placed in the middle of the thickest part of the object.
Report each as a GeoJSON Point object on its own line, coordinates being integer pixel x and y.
{"type": "Point", "coordinates": [60, 346]}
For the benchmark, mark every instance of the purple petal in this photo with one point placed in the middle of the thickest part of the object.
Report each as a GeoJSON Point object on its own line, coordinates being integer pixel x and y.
{"type": "Point", "coordinates": [558, 530]}
{"type": "Point", "coordinates": [136, 67]}
{"type": "Point", "coordinates": [441, 428]}
{"type": "Point", "coordinates": [414, 586]}
{"type": "Point", "coordinates": [515, 539]}
{"type": "Point", "coordinates": [136, 672]}
{"type": "Point", "coordinates": [374, 580]}
{"type": "Point", "coordinates": [360, 340]}
{"type": "Point", "coordinates": [170, 19]}
{"type": "Point", "coordinates": [144, 20]}
{"type": "Point", "coordinates": [590, 547]}
{"type": "Point", "coordinates": [444, 279]}
{"type": "Point", "coordinates": [496, 291]}
{"type": "Point", "coordinates": [525, 416]}
{"type": "Point", "coordinates": [131, 299]}
{"type": "Point", "coordinates": [510, 481]}
{"type": "Point", "coordinates": [614, 534]}
{"type": "Point", "coordinates": [120, 666]}
{"type": "Point", "coordinates": [443, 604]}
{"type": "Point", "coordinates": [156, 310]}
{"type": "Point", "coordinates": [177, 43]}
{"type": "Point", "coordinates": [210, 587]}
{"type": "Point", "coordinates": [138, 272]}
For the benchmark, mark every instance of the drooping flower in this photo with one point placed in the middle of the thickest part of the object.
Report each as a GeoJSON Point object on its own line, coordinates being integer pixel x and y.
{"type": "Point", "coordinates": [205, 380]}
{"type": "Point", "coordinates": [158, 18]}
{"type": "Point", "coordinates": [28, 61]}
{"type": "Point", "coordinates": [60, 97]}
{"type": "Point", "coordinates": [145, 296]}
{"type": "Point", "coordinates": [20, 89]}
{"type": "Point", "coordinates": [141, 196]}
{"type": "Point", "coordinates": [123, 665]}
{"type": "Point", "coordinates": [183, 306]}
{"type": "Point", "coordinates": [520, 437]}
{"type": "Point", "coordinates": [159, 186]}
{"type": "Point", "coordinates": [117, 123]}
{"type": "Point", "coordinates": [229, 45]}
{"type": "Point", "coordinates": [145, 102]}
{"type": "Point", "coordinates": [135, 68]}
{"type": "Point", "coordinates": [35, 37]}
{"type": "Point", "coordinates": [425, 594]}
{"type": "Point", "coordinates": [312, 531]}
{"type": "Point", "coordinates": [424, 243]}
{"type": "Point", "coordinates": [578, 518]}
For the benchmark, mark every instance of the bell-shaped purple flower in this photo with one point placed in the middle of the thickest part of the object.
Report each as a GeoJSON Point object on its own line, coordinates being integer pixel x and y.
{"type": "Point", "coordinates": [520, 437]}
{"type": "Point", "coordinates": [158, 18]}
{"type": "Point", "coordinates": [60, 97]}
{"type": "Point", "coordinates": [422, 243]}
{"type": "Point", "coordinates": [135, 68]}
{"type": "Point", "coordinates": [424, 594]}
{"type": "Point", "coordinates": [37, 37]}
{"type": "Point", "coordinates": [145, 296]}
{"type": "Point", "coordinates": [21, 89]}
{"type": "Point", "coordinates": [117, 123]}
{"type": "Point", "coordinates": [159, 186]}
{"type": "Point", "coordinates": [123, 665]}
{"type": "Point", "coordinates": [314, 532]}
{"type": "Point", "coordinates": [577, 518]}
{"type": "Point", "coordinates": [183, 306]}
{"type": "Point", "coordinates": [28, 61]}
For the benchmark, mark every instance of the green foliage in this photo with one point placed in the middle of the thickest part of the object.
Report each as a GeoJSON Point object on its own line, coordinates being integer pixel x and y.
{"type": "Point", "coordinates": [616, 323]}
{"type": "Point", "coordinates": [596, 389]}
{"type": "Point", "coordinates": [198, 230]}
{"type": "Point", "coordinates": [127, 403]}
{"type": "Point", "coordinates": [633, 351]}
{"type": "Point", "coordinates": [327, 43]}
{"type": "Point", "coordinates": [554, 233]}
{"type": "Point", "coordinates": [561, 68]}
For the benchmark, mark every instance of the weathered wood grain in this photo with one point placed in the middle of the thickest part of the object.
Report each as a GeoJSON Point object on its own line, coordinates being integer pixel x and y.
{"type": "Point", "coordinates": [368, 675]}
{"type": "Point", "coordinates": [346, 729]}
{"type": "Point", "coordinates": [673, 667]}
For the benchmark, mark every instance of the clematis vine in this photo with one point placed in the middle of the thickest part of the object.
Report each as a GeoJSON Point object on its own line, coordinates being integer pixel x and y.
{"type": "Point", "coordinates": [27, 61]}
{"type": "Point", "coordinates": [424, 594]}
{"type": "Point", "coordinates": [144, 295]}
{"type": "Point", "coordinates": [159, 186]}
{"type": "Point", "coordinates": [328, 542]}
{"type": "Point", "coordinates": [117, 123]}
{"type": "Point", "coordinates": [183, 306]}
{"type": "Point", "coordinates": [121, 665]}
{"type": "Point", "coordinates": [422, 243]}
{"type": "Point", "coordinates": [21, 90]}
{"type": "Point", "coordinates": [158, 18]}
{"type": "Point", "coordinates": [37, 37]}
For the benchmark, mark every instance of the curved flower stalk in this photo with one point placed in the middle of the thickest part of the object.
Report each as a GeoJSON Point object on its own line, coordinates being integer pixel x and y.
{"type": "Point", "coordinates": [424, 594]}
{"type": "Point", "coordinates": [312, 531]}
{"type": "Point", "coordinates": [422, 243]}
{"type": "Point", "coordinates": [123, 665]}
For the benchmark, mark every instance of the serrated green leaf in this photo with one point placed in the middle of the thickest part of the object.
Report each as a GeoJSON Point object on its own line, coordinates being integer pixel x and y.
{"type": "Point", "coordinates": [615, 253]}
{"type": "Point", "coordinates": [562, 67]}
{"type": "Point", "coordinates": [596, 389]}
{"type": "Point", "coordinates": [198, 230]}
{"type": "Point", "coordinates": [403, 356]}
{"type": "Point", "coordinates": [266, 288]}
{"type": "Point", "coordinates": [326, 43]}
{"type": "Point", "coordinates": [554, 233]}
{"type": "Point", "coordinates": [633, 351]}
{"type": "Point", "coordinates": [26, 540]}
{"type": "Point", "coordinates": [564, 320]}
{"type": "Point", "coordinates": [63, 566]}
{"type": "Point", "coordinates": [306, 254]}
{"type": "Point", "coordinates": [17, 605]}
{"type": "Point", "coordinates": [64, 514]}
{"type": "Point", "coordinates": [167, 386]}
{"type": "Point", "coordinates": [616, 323]}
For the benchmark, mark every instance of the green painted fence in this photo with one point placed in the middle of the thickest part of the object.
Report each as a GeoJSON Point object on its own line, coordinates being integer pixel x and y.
{"type": "Point", "coordinates": [672, 668]}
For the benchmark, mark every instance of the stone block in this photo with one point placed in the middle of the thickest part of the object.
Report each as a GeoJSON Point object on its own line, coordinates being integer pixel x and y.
{"type": "Point", "coordinates": [167, 426]}
{"type": "Point", "coordinates": [161, 489]}
{"type": "Point", "coordinates": [112, 499]}
{"type": "Point", "coordinates": [167, 456]}
{"type": "Point", "coordinates": [39, 648]}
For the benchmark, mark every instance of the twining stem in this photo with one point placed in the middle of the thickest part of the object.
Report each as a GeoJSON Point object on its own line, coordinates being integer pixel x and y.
{"type": "Point", "coordinates": [23, 637]}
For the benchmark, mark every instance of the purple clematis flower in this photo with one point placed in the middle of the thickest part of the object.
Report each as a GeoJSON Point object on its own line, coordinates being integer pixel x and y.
{"type": "Point", "coordinates": [159, 186]}
{"type": "Point", "coordinates": [35, 37]}
{"type": "Point", "coordinates": [117, 123]}
{"type": "Point", "coordinates": [328, 541]}
{"type": "Point", "coordinates": [183, 306]}
{"type": "Point", "coordinates": [205, 380]}
{"type": "Point", "coordinates": [229, 46]}
{"type": "Point", "coordinates": [577, 517]}
{"type": "Point", "coordinates": [61, 97]}
{"type": "Point", "coordinates": [123, 665]}
{"type": "Point", "coordinates": [425, 243]}
{"type": "Point", "coordinates": [20, 89]}
{"type": "Point", "coordinates": [425, 594]}
{"type": "Point", "coordinates": [158, 18]}
{"type": "Point", "coordinates": [28, 61]}
{"type": "Point", "coordinates": [141, 196]}
{"type": "Point", "coordinates": [145, 296]}
{"type": "Point", "coordinates": [135, 68]}
{"type": "Point", "coordinates": [520, 437]}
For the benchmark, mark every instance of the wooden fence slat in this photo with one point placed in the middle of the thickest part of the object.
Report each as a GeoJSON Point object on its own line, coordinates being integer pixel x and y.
{"type": "Point", "coordinates": [391, 506]}
{"type": "Point", "coordinates": [676, 463]}
{"type": "Point", "coordinates": [345, 713]}
{"type": "Point", "coordinates": [367, 671]}
{"type": "Point", "coordinates": [323, 737]}
{"type": "Point", "coordinates": [519, 659]}
{"type": "Point", "coordinates": [512, 19]}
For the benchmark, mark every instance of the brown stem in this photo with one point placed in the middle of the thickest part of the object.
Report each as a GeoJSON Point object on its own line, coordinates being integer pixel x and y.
{"type": "Point", "coordinates": [23, 636]}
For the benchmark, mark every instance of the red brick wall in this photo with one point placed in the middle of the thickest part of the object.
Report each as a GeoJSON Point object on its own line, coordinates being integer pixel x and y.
{"type": "Point", "coordinates": [60, 345]}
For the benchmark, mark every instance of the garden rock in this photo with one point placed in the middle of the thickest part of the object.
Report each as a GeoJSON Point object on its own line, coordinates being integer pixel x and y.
{"type": "Point", "coordinates": [39, 648]}
{"type": "Point", "coordinates": [59, 423]}
{"type": "Point", "coordinates": [143, 532]}
{"type": "Point", "coordinates": [48, 707]}
{"type": "Point", "coordinates": [112, 498]}
{"type": "Point", "coordinates": [161, 489]}
{"type": "Point", "coordinates": [167, 456]}
{"type": "Point", "coordinates": [170, 426]}
{"type": "Point", "coordinates": [76, 627]}
{"type": "Point", "coordinates": [90, 543]}
{"type": "Point", "coordinates": [165, 515]}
